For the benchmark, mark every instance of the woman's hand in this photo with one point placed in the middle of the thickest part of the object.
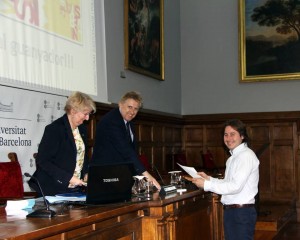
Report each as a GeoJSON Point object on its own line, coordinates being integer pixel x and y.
{"type": "Point", "coordinates": [75, 181]}
{"type": "Point", "coordinates": [85, 179]}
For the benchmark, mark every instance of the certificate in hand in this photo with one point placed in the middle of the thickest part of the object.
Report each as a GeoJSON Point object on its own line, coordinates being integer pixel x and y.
{"type": "Point", "coordinates": [190, 170]}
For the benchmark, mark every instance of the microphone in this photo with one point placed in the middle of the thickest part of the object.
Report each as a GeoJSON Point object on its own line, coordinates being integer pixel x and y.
{"type": "Point", "coordinates": [158, 173]}
{"type": "Point", "coordinates": [40, 213]}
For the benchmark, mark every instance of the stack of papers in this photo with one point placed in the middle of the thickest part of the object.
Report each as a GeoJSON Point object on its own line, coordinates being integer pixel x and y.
{"type": "Point", "coordinates": [19, 207]}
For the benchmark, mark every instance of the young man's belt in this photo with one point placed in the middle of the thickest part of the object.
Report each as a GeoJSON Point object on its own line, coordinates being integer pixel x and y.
{"type": "Point", "coordinates": [238, 206]}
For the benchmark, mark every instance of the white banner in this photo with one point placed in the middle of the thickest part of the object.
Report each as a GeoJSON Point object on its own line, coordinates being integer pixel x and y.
{"type": "Point", "coordinates": [23, 117]}
{"type": "Point", "coordinates": [48, 44]}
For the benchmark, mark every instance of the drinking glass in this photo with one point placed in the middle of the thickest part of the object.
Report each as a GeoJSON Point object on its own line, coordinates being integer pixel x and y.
{"type": "Point", "coordinates": [175, 178]}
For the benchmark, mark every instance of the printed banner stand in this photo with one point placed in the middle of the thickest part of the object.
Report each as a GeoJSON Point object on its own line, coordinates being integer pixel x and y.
{"type": "Point", "coordinates": [23, 117]}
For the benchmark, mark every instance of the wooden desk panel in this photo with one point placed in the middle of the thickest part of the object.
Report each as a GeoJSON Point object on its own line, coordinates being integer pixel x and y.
{"type": "Point", "coordinates": [173, 217]}
{"type": "Point", "coordinates": [185, 218]}
{"type": "Point", "coordinates": [82, 223]}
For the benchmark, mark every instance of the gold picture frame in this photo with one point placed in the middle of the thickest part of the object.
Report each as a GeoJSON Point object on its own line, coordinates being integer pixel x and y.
{"type": "Point", "coordinates": [268, 44]}
{"type": "Point", "coordinates": [144, 37]}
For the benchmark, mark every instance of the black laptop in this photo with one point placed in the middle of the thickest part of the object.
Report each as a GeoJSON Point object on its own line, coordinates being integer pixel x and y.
{"type": "Point", "coordinates": [109, 183]}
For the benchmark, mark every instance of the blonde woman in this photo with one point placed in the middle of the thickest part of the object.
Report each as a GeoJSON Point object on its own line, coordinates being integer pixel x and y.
{"type": "Point", "coordinates": [62, 162]}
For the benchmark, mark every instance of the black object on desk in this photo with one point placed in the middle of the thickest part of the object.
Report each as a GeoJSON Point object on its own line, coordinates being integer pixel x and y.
{"type": "Point", "coordinates": [40, 213]}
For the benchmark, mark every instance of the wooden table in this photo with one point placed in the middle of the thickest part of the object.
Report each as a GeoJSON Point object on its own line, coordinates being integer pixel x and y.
{"type": "Point", "coordinates": [175, 216]}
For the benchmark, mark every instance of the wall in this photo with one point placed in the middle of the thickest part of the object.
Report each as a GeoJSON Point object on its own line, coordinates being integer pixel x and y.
{"type": "Point", "coordinates": [158, 95]}
{"type": "Point", "coordinates": [209, 69]}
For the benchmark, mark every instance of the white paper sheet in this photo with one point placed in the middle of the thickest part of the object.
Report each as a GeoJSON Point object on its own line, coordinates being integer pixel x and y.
{"type": "Point", "coordinates": [58, 199]}
{"type": "Point", "coordinates": [190, 170]}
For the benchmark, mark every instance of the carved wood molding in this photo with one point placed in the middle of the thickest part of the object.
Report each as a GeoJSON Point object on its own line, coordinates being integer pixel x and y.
{"type": "Point", "coordinates": [144, 114]}
{"type": "Point", "coordinates": [151, 115]}
{"type": "Point", "coordinates": [245, 117]}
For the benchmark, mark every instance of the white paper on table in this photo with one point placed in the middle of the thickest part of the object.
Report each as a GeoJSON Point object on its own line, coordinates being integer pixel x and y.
{"type": "Point", "coordinates": [58, 199]}
{"type": "Point", "coordinates": [18, 207]}
{"type": "Point", "coordinates": [19, 204]}
{"type": "Point", "coordinates": [191, 171]}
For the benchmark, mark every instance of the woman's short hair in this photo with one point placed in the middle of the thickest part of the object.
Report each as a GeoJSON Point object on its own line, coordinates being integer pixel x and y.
{"type": "Point", "coordinates": [80, 102]}
{"type": "Point", "coordinates": [239, 126]}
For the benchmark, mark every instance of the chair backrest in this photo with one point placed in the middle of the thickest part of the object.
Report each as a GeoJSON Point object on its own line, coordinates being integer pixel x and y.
{"type": "Point", "coordinates": [13, 157]}
{"type": "Point", "coordinates": [11, 179]}
{"type": "Point", "coordinates": [143, 158]}
{"type": "Point", "coordinates": [208, 160]}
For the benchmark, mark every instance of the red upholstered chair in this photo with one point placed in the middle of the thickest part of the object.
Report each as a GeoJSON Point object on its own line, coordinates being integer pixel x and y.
{"type": "Point", "coordinates": [11, 179]}
{"type": "Point", "coordinates": [208, 161]}
{"type": "Point", "coordinates": [143, 158]}
{"type": "Point", "coordinates": [180, 158]}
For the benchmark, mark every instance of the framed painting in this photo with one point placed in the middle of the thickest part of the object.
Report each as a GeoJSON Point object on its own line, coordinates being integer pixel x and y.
{"type": "Point", "coordinates": [269, 40]}
{"type": "Point", "coordinates": [144, 37]}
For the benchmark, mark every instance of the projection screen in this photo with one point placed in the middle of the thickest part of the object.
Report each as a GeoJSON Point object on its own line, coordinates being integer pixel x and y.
{"type": "Point", "coordinates": [48, 45]}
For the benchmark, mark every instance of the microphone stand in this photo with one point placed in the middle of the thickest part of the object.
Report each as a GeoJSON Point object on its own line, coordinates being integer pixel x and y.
{"type": "Point", "coordinates": [165, 189]}
{"type": "Point", "coordinates": [158, 173]}
{"type": "Point", "coordinates": [40, 213]}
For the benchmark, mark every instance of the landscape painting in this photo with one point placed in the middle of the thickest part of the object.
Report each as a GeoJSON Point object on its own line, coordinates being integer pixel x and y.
{"type": "Point", "coordinates": [269, 40]}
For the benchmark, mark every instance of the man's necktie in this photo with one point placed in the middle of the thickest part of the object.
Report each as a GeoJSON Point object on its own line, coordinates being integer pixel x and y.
{"type": "Point", "coordinates": [128, 132]}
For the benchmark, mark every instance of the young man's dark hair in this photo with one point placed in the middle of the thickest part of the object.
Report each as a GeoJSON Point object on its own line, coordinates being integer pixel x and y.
{"type": "Point", "coordinates": [239, 126]}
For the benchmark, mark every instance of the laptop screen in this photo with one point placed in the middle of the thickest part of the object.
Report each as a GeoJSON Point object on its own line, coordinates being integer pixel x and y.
{"type": "Point", "coordinates": [109, 183]}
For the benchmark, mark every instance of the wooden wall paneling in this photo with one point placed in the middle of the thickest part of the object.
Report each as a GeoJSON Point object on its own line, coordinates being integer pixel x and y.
{"type": "Point", "coordinates": [169, 158]}
{"type": "Point", "coordinates": [213, 141]}
{"type": "Point", "coordinates": [91, 129]}
{"type": "Point", "coordinates": [260, 142]}
{"type": "Point", "coordinates": [213, 135]}
{"type": "Point", "coordinates": [148, 151]}
{"type": "Point", "coordinates": [284, 176]}
{"type": "Point", "coordinates": [158, 157]}
{"type": "Point", "coordinates": [173, 137]}
{"type": "Point", "coordinates": [157, 141]}
{"type": "Point", "coordinates": [199, 139]}
{"type": "Point", "coordinates": [194, 158]}
{"type": "Point", "coordinates": [193, 138]}
{"type": "Point", "coordinates": [92, 124]}
{"type": "Point", "coordinates": [169, 149]}
{"type": "Point", "coordinates": [220, 155]}
{"type": "Point", "coordinates": [177, 142]}
{"type": "Point", "coordinates": [177, 136]}
{"type": "Point", "coordinates": [283, 155]}
{"type": "Point", "coordinates": [265, 181]}
{"type": "Point", "coordinates": [168, 134]}
{"type": "Point", "coordinates": [158, 134]}
{"type": "Point", "coordinates": [297, 165]}
{"type": "Point", "coordinates": [145, 134]}
{"type": "Point", "coordinates": [193, 134]}
{"type": "Point", "coordinates": [137, 130]}
{"type": "Point", "coordinates": [259, 132]}
{"type": "Point", "coordinates": [173, 145]}
{"type": "Point", "coordinates": [284, 131]}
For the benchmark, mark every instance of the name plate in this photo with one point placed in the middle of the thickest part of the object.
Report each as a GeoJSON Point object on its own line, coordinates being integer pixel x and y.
{"type": "Point", "coordinates": [167, 189]}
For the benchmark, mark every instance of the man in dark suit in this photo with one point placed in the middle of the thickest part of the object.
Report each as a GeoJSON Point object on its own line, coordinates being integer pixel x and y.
{"type": "Point", "coordinates": [115, 140]}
